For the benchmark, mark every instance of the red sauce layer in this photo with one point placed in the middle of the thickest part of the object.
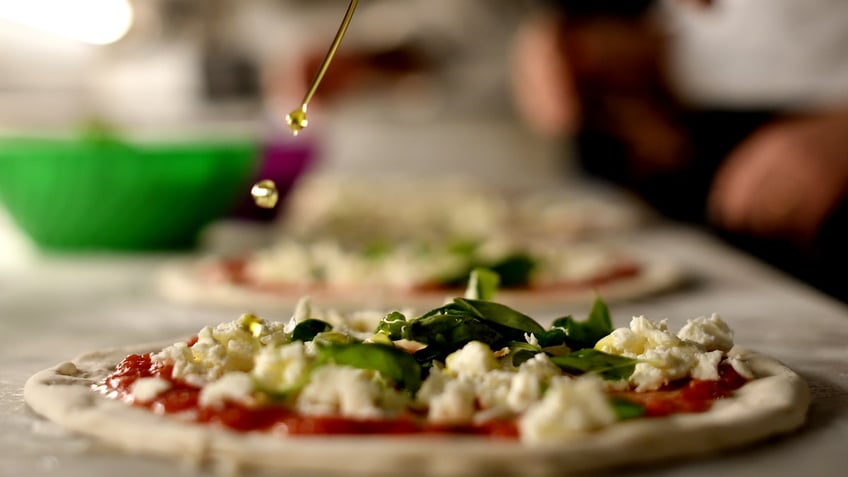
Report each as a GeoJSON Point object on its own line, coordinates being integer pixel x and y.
{"type": "Point", "coordinates": [687, 395]}
{"type": "Point", "coordinates": [235, 271]}
{"type": "Point", "coordinates": [684, 396]}
{"type": "Point", "coordinates": [184, 398]}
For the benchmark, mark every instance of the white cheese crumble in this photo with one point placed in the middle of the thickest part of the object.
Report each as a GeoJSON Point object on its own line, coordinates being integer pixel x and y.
{"type": "Point", "coordinates": [454, 405]}
{"type": "Point", "coordinates": [710, 332]}
{"type": "Point", "coordinates": [234, 386]}
{"type": "Point", "coordinates": [474, 359]}
{"type": "Point", "coordinates": [341, 390]}
{"type": "Point", "coordinates": [279, 369]}
{"type": "Point", "coordinates": [146, 389]}
{"type": "Point", "coordinates": [664, 357]}
{"type": "Point", "coordinates": [569, 408]}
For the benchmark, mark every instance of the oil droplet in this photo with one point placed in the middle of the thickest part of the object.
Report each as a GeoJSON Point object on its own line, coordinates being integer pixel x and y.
{"type": "Point", "coordinates": [265, 194]}
{"type": "Point", "coordinates": [297, 120]}
{"type": "Point", "coordinates": [252, 323]}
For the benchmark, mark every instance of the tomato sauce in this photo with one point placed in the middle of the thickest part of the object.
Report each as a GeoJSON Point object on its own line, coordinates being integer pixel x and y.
{"type": "Point", "coordinates": [184, 398]}
{"type": "Point", "coordinates": [235, 271]}
{"type": "Point", "coordinates": [687, 395]}
{"type": "Point", "coordinates": [684, 396]}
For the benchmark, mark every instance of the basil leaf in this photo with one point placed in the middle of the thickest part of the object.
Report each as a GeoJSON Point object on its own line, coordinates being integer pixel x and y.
{"type": "Point", "coordinates": [392, 325]}
{"type": "Point", "coordinates": [608, 366]}
{"type": "Point", "coordinates": [515, 270]}
{"type": "Point", "coordinates": [554, 337]}
{"type": "Point", "coordinates": [306, 330]}
{"type": "Point", "coordinates": [425, 356]}
{"type": "Point", "coordinates": [464, 248]}
{"type": "Point", "coordinates": [625, 409]}
{"type": "Point", "coordinates": [511, 323]}
{"type": "Point", "coordinates": [448, 309]}
{"type": "Point", "coordinates": [377, 249]}
{"type": "Point", "coordinates": [584, 334]}
{"type": "Point", "coordinates": [482, 285]}
{"type": "Point", "coordinates": [521, 356]}
{"type": "Point", "coordinates": [333, 338]}
{"type": "Point", "coordinates": [450, 332]}
{"type": "Point", "coordinates": [521, 351]}
{"type": "Point", "coordinates": [391, 362]}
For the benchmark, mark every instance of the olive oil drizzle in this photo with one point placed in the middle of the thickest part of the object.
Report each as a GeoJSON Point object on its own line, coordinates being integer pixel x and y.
{"type": "Point", "coordinates": [297, 119]}
{"type": "Point", "coordinates": [265, 192]}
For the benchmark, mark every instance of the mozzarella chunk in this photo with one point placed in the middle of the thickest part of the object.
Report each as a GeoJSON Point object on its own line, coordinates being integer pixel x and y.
{"type": "Point", "coordinates": [234, 386]}
{"type": "Point", "coordinates": [524, 390]}
{"type": "Point", "coordinates": [340, 390]}
{"type": "Point", "coordinates": [281, 368]}
{"type": "Point", "coordinates": [710, 332]}
{"type": "Point", "coordinates": [570, 407]}
{"type": "Point", "coordinates": [147, 389]}
{"type": "Point", "coordinates": [541, 366]}
{"type": "Point", "coordinates": [665, 357]}
{"type": "Point", "coordinates": [455, 405]}
{"type": "Point", "coordinates": [492, 389]}
{"type": "Point", "coordinates": [230, 346]}
{"type": "Point", "coordinates": [432, 386]}
{"type": "Point", "coordinates": [474, 359]}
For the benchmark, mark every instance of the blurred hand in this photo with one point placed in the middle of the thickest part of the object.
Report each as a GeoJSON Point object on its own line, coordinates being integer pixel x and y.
{"type": "Point", "coordinates": [785, 179]}
{"type": "Point", "coordinates": [602, 74]}
{"type": "Point", "coordinates": [542, 83]}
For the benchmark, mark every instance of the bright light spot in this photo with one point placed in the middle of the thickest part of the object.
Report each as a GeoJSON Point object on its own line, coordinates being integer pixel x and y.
{"type": "Point", "coordinates": [99, 22]}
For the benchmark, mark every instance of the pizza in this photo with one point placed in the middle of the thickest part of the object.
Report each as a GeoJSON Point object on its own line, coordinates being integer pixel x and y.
{"type": "Point", "coordinates": [400, 207]}
{"type": "Point", "coordinates": [417, 272]}
{"type": "Point", "coordinates": [395, 240]}
{"type": "Point", "coordinates": [468, 388]}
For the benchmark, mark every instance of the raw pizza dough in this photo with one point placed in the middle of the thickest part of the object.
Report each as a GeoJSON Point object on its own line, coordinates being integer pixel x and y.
{"type": "Point", "coordinates": [774, 403]}
{"type": "Point", "coordinates": [187, 283]}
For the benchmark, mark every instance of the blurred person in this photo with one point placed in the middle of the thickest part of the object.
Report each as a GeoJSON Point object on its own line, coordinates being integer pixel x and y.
{"type": "Point", "coordinates": [732, 113]}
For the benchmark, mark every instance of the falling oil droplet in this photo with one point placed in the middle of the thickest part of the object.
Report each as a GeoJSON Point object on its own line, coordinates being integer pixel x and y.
{"type": "Point", "coordinates": [297, 120]}
{"type": "Point", "coordinates": [265, 194]}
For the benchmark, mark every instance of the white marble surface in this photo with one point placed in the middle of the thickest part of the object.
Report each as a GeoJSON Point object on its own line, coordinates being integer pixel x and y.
{"type": "Point", "coordinates": [56, 308]}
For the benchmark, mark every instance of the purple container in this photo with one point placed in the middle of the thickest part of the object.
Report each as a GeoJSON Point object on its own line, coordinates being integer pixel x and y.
{"type": "Point", "coordinates": [283, 162]}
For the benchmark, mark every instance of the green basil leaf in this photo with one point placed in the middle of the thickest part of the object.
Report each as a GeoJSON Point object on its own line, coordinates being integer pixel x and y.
{"type": "Point", "coordinates": [625, 409]}
{"type": "Point", "coordinates": [608, 366]}
{"type": "Point", "coordinates": [521, 356]}
{"type": "Point", "coordinates": [393, 363]}
{"type": "Point", "coordinates": [450, 332]}
{"type": "Point", "coordinates": [584, 334]}
{"type": "Point", "coordinates": [482, 285]}
{"type": "Point", "coordinates": [392, 325]}
{"type": "Point", "coordinates": [448, 309]}
{"type": "Point", "coordinates": [515, 270]}
{"type": "Point", "coordinates": [464, 248]}
{"type": "Point", "coordinates": [553, 337]}
{"type": "Point", "coordinates": [306, 330]}
{"type": "Point", "coordinates": [327, 338]}
{"type": "Point", "coordinates": [521, 351]}
{"type": "Point", "coordinates": [377, 249]}
{"type": "Point", "coordinates": [511, 323]}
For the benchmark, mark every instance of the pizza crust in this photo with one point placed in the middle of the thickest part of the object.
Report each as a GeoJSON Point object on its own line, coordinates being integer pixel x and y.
{"type": "Point", "coordinates": [189, 284]}
{"type": "Point", "coordinates": [774, 403]}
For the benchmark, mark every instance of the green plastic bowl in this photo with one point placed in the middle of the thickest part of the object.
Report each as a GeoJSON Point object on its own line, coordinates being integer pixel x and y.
{"type": "Point", "coordinates": [105, 194]}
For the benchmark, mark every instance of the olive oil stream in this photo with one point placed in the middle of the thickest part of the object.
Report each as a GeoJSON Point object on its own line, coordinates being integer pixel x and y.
{"type": "Point", "coordinates": [265, 192]}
